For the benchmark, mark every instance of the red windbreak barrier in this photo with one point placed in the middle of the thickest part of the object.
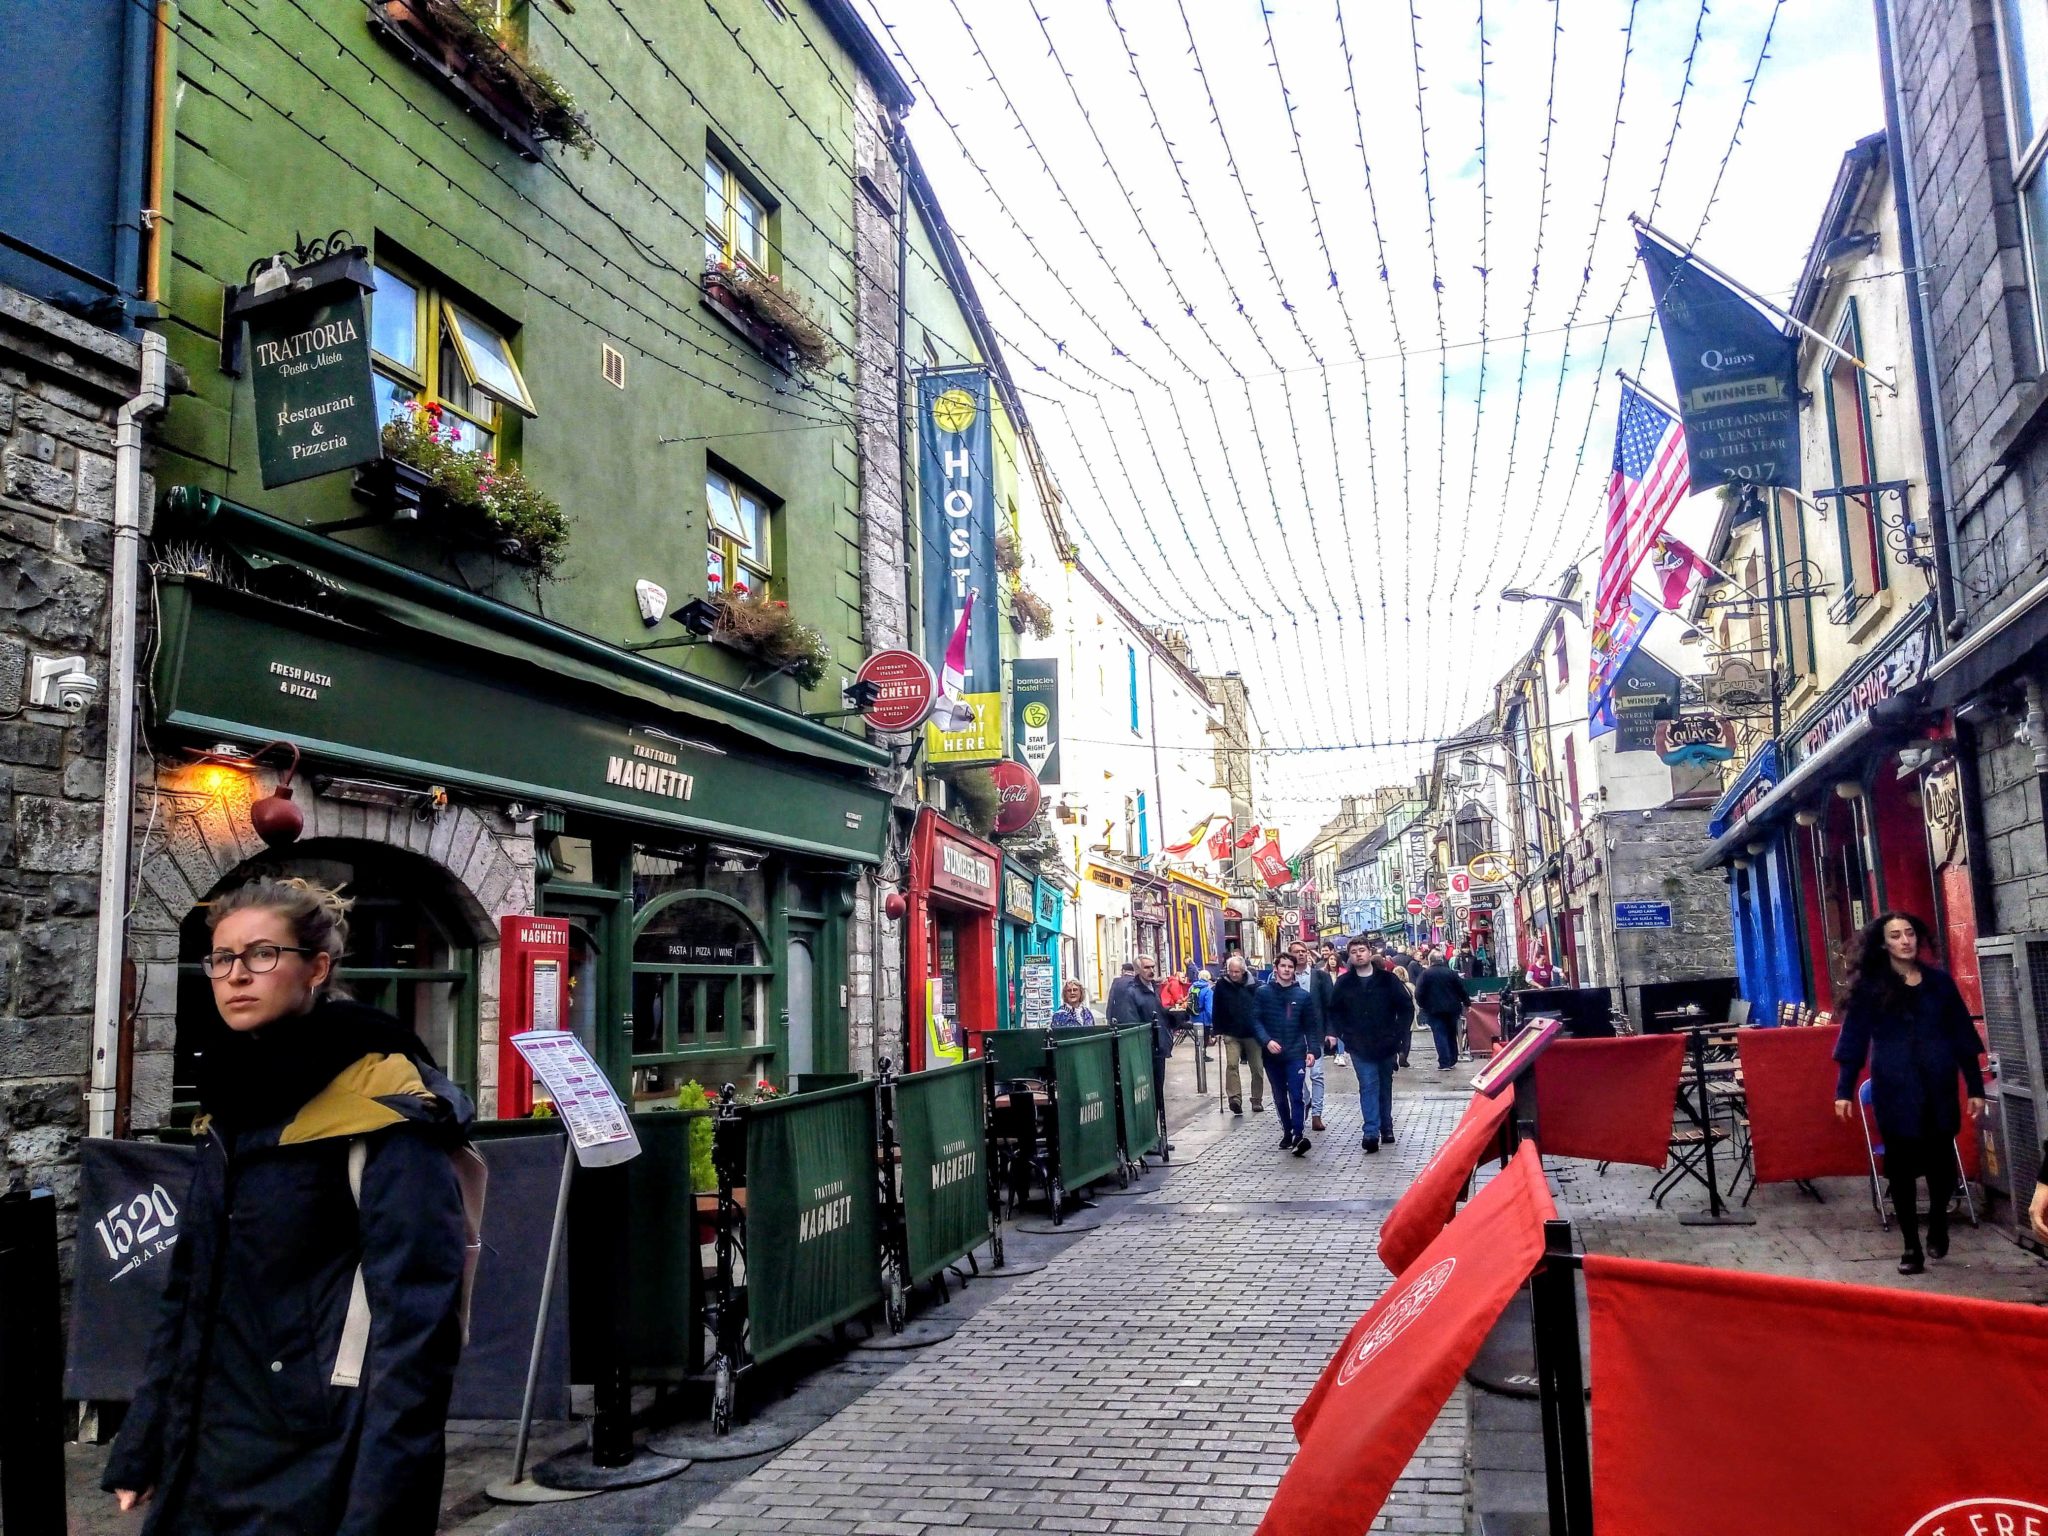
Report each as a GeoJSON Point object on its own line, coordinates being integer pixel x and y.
{"type": "Point", "coordinates": [1380, 1393]}
{"type": "Point", "coordinates": [1728, 1401]}
{"type": "Point", "coordinates": [1426, 1208]}
{"type": "Point", "coordinates": [1789, 1078]}
{"type": "Point", "coordinates": [1482, 1025]}
{"type": "Point", "coordinates": [1610, 1100]}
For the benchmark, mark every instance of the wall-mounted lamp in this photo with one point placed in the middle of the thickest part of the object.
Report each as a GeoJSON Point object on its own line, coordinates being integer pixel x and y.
{"type": "Point", "coordinates": [1807, 818]}
{"type": "Point", "coordinates": [1756, 847]}
{"type": "Point", "coordinates": [1849, 789]}
{"type": "Point", "coordinates": [699, 617]}
{"type": "Point", "coordinates": [1571, 604]}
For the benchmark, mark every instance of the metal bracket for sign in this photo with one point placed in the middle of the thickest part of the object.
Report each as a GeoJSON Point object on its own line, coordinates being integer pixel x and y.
{"type": "Point", "coordinates": [1891, 501]}
{"type": "Point", "coordinates": [308, 266]}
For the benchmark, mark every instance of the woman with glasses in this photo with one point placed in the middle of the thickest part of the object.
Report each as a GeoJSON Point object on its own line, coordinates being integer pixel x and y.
{"type": "Point", "coordinates": [299, 1376]}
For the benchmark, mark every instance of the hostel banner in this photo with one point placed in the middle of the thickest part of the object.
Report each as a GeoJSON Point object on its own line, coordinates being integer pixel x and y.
{"type": "Point", "coordinates": [1610, 1100]}
{"type": "Point", "coordinates": [1426, 1209]}
{"type": "Point", "coordinates": [1731, 1401]}
{"type": "Point", "coordinates": [1035, 715]}
{"type": "Point", "coordinates": [812, 1215]}
{"type": "Point", "coordinates": [1737, 374]}
{"type": "Point", "coordinates": [956, 500]}
{"type": "Point", "coordinates": [1385, 1386]}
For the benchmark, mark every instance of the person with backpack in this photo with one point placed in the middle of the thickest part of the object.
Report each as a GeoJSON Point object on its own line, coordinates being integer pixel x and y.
{"type": "Point", "coordinates": [299, 1376]}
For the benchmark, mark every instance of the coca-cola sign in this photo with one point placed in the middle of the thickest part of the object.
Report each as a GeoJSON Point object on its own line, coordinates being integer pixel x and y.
{"type": "Point", "coordinates": [1017, 796]}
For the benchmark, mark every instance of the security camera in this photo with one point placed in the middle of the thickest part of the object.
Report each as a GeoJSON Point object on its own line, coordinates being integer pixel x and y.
{"type": "Point", "coordinates": [61, 682]}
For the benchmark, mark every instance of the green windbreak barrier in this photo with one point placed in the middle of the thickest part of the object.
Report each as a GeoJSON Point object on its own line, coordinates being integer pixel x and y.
{"type": "Point", "coordinates": [664, 1324]}
{"type": "Point", "coordinates": [811, 1082]}
{"type": "Point", "coordinates": [1017, 1052]}
{"type": "Point", "coordinates": [1084, 1072]}
{"type": "Point", "coordinates": [813, 1253]}
{"type": "Point", "coordinates": [940, 1127]}
{"type": "Point", "coordinates": [1137, 1094]}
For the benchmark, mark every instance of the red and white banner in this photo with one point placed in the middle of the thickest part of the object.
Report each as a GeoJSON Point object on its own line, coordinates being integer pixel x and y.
{"type": "Point", "coordinates": [1272, 866]}
{"type": "Point", "coordinates": [1679, 570]}
{"type": "Point", "coordinates": [1426, 1208]}
{"type": "Point", "coordinates": [1731, 1401]}
{"type": "Point", "coordinates": [1383, 1389]}
{"type": "Point", "coordinates": [1609, 1100]}
{"type": "Point", "coordinates": [1219, 842]}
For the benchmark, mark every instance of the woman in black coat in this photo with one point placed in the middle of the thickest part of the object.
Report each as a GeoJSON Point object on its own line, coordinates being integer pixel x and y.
{"type": "Point", "coordinates": [1911, 1022]}
{"type": "Point", "coordinates": [299, 1376]}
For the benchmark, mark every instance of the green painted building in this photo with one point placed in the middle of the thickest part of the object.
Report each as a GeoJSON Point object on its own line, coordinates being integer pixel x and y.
{"type": "Point", "coordinates": [646, 253]}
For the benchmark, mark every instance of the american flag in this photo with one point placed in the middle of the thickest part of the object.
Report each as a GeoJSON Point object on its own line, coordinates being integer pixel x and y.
{"type": "Point", "coordinates": [1650, 478]}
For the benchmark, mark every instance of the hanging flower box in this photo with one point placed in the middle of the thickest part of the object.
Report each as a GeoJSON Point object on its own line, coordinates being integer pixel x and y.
{"type": "Point", "coordinates": [425, 475]}
{"type": "Point", "coordinates": [467, 45]}
{"type": "Point", "coordinates": [1030, 613]}
{"type": "Point", "coordinates": [775, 320]}
{"type": "Point", "coordinates": [763, 628]}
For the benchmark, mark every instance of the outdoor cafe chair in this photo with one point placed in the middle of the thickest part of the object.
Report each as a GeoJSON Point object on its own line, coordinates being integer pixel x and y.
{"type": "Point", "coordinates": [1873, 1149]}
{"type": "Point", "coordinates": [1023, 1144]}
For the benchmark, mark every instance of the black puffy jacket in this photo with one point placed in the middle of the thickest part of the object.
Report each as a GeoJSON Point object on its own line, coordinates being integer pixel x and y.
{"type": "Point", "coordinates": [1371, 1012]}
{"type": "Point", "coordinates": [1231, 1005]}
{"type": "Point", "coordinates": [237, 1426]}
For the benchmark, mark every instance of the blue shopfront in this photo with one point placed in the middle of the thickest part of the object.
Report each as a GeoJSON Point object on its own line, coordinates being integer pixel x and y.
{"type": "Point", "coordinates": [1763, 894]}
{"type": "Point", "coordinates": [1033, 910]}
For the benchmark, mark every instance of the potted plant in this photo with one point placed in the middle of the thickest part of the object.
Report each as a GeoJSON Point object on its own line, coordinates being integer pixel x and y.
{"type": "Point", "coordinates": [979, 800]}
{"type": "Point", "coordinates": [470, 44]}
{"type": "Point", "coordinates": [1031, 613]}
{"type": "Point", "coordinates": [425, 468]}
{"type": "Point", "coordinates": [776, 320]}
{"type": "Point", "coordinates": [760, 626]}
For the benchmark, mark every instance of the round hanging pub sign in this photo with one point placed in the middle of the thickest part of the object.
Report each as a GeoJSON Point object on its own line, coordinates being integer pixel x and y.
{"type": "Point", "coordinates": [1017, 796]}
{"type": "Point", "coordinates": [909, 690]}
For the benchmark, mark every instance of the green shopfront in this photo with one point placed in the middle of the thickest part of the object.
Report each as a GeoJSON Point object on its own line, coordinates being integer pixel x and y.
{"type": "Point", "coordinates": [1031, 913]}
{"type": "Point", "coordinates": [462, 763]}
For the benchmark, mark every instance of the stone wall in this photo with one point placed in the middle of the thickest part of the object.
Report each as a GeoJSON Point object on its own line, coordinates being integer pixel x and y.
{"type": "Point", "coordinates": [61, 382]}
{"type": "Point", "coordinates": [874, 971]}
{"type": "Point", "coordinates": [1649, 858]}
{"type": "Point", "coordinates": [1986, 365]}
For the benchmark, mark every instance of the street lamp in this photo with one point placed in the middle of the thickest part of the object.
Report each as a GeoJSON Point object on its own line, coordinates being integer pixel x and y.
{"type": "Point", "coordinates": [1519, 595]}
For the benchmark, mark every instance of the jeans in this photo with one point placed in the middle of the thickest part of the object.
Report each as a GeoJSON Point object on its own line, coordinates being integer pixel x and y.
{"type": "Point", "coordinates": [1443, 1027]}
{"type": "Point", "coordinates": [1376, 1094]}
{"type": "Point", "coordinates": [1243, 1050]}
{"type": "Point", "coordinates": [1315, 1087]}
{"type": "Point", "coordinates": [1286, 1073]}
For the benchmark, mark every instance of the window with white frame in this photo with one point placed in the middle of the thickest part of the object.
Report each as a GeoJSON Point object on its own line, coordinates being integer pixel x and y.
{"type": "Point", "coordinates": [2023, 35]}
{"type": "Point", "coordinates": [735, 219]}
{"type": "Point", "coordinates": [739, 555]}
{"type": "Point", "coordinates": [428, 347]}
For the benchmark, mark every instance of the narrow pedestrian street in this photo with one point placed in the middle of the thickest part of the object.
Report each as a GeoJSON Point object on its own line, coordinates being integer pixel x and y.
{"type": "Point", "coordinates": [1144, 1381]}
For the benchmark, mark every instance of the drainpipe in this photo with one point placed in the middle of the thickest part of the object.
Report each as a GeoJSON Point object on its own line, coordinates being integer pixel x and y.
{"type": "Point", "coordinates": [102, 1097]}
{"type": "Point", "coordinates": [1933, 429]}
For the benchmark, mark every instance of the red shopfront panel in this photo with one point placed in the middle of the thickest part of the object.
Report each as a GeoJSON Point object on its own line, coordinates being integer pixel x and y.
{"type": "Point", "coordinates": [533, 993]}
{"type": "Point", "coordinates": [950, 937]}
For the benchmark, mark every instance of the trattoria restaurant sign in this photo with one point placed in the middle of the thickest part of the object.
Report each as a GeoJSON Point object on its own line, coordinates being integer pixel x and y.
{"type": "Point", "coordinates": [309, 359]}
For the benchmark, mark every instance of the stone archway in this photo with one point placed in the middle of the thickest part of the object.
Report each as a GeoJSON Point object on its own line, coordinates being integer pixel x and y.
{"type": "Point", "coordinates": [192, 832]}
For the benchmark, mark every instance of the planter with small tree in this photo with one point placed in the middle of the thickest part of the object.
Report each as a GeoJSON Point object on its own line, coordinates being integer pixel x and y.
{"type": "Point", "coordinates": [975, 797]}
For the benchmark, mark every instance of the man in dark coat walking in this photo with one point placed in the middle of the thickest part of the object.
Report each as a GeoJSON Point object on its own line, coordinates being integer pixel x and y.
{"type": "Point", "coordinates": [1138, 1003]}
{"type": "Point", "coordinates": [1317, 982]}
{"type": "Point", "coordinates": [1230, 1006]}
{"type": "Point", "coordinates": [1371, 1012]}
{"type": "Point", "coordinates": [1289, 1028]}
{"type": "Point", "coordinates": [1442, 997]}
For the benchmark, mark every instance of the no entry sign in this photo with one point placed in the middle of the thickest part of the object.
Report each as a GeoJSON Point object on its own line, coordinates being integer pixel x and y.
{"type": "Point", "coordinates": [1415, 906]}
{"type": "Point", "coordinates": [909, 689]}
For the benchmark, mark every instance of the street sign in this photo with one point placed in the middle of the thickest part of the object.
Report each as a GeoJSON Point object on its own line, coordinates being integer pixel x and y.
{"type": "Point", "coordinates": [909, 690]}
{"type": "Point", "coordinates": [1434, 900]}
{"type": "Point", "coordinates": [1461, 883]}
{"type": "Point", "coordinates": [1642, 914]}
{"type": "Point", "coordinates": [1415, 907]}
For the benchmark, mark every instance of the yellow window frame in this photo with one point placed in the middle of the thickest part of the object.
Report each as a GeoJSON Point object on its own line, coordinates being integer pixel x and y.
{"type": "Point", "coordinates": [432, 310]}
{"type": "Point", "coordinates": [726, 230]}
{"type": "Point", "coordinates": [738, 561]}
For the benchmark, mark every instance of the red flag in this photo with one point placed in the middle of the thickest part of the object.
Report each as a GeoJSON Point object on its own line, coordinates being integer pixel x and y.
{"type": "Point", "coordinates": [1817, 1406]}
{"type": "Point", "coordinates": [1426, 1208]}
{"type": "Point", "coordinates": [1219, 843]}
{"type": "Point", "coordinates": [1271, 866]}
{"type": "Point", "coordinates": [1611, 1100]}
{"type": "Point", "coordinates": [1380, 1393]}
{"type": "Point", "coordinates": [1250, 835]}
{"type": "Point", "coordinates": [1680, 572]}
{"type": "Point", "coordinates": [1648, 480]}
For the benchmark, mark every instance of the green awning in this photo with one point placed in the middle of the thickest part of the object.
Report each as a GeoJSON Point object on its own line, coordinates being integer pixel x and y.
{"type": "Point", "coordinates": [379, 594]}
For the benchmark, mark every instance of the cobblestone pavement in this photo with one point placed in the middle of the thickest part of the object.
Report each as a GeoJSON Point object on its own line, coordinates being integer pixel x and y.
{"type": "Point", "coordinates": [1145, 1381]}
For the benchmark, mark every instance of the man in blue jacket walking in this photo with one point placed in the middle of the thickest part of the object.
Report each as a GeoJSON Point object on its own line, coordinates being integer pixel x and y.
{"type": "Point", "coordinates": [1288, 1023]}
